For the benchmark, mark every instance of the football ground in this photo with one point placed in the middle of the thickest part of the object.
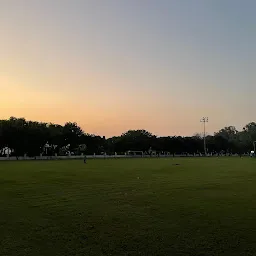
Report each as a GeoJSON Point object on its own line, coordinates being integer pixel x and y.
{"type": "Point", "coordinates": [180, 206]}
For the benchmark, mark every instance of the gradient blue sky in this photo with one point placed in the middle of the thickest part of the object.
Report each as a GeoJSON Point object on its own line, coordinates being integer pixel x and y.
{"type": "Point", "coordinates": [114, 65]}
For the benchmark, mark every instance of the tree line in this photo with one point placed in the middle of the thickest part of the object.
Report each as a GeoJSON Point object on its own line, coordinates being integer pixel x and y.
{"type": "Point", "coordinates": [34, 138]}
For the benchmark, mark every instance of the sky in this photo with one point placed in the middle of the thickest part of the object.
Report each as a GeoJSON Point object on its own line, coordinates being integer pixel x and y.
{"type": "Point", "coordinates": [115, 65]}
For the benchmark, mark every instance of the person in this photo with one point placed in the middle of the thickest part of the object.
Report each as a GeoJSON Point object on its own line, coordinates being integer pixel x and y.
{"type": "Point", "coordinates": [85, 159]}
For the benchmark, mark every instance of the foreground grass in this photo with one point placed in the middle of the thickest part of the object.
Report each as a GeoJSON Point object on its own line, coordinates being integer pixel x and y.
{"type": "Point", "coordinates": [128, 207]}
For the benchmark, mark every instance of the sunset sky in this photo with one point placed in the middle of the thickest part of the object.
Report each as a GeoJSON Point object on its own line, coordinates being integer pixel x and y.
{"type": "Point", "coordinates": [114, 65]}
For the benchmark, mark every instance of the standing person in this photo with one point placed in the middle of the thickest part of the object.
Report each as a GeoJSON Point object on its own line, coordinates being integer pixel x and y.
{"type": "Point", "coordinates": [85, 159]}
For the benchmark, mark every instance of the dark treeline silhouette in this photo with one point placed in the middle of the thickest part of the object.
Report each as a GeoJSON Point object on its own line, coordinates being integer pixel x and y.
{"type": "Point", "coordinates": [35, 138]}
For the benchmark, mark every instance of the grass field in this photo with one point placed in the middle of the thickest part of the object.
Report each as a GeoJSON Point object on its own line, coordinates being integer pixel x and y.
{"type": "Point", "coordinates": [128, 207]}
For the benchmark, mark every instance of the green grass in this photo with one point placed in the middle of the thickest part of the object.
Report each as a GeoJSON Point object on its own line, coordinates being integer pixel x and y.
{"type": "Point", "coordinates": [128, 207]}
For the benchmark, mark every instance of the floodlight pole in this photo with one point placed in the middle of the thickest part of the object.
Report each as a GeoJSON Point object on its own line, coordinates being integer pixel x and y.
{"type": "Point", "coordinates": [204, 120]}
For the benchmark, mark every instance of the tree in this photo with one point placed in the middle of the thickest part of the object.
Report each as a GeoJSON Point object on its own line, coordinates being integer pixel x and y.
{"type": "Point", "coordinates": [55, 137]}
{"type": "Point", "coordinates": [250, 129]}
{"type": "Point", "coordinates": [31, 138]}
{"type": "Point", "coordinates": [16, 135]}
{"type": "Point", "coordinates": [36, 135]}
{"type": "Point", "coordinates": [81, 149]}
{"type": "Point", "coordinates": [137, 140]}
{"type": "Point", "coordinates": [229, 138]}
{"type": "Point", "coordinates": [72, 134]}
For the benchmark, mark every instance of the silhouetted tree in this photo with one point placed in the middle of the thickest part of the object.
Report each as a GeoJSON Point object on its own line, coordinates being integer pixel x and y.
{"type": "Point", "coordinates": [33, 138]}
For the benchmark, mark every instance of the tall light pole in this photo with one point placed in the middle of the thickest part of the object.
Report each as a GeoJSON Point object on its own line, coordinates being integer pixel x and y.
{"type": "Point", "coordinates": [204, 120]}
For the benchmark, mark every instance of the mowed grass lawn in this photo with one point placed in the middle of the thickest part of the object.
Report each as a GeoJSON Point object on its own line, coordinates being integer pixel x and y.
{"type": "Point", "coordinates": [128, 207]}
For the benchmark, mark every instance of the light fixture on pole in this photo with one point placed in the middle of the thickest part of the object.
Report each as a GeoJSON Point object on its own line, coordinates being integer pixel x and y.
{"type": "Point", "coordinates": [204, 120]}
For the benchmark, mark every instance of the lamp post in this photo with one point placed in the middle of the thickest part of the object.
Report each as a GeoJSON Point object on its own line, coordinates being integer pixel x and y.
{"type": "Point", "coordinates": [204, 120]}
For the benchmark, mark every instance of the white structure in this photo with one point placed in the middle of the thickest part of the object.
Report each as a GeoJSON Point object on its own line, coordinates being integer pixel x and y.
{"type": "Point", "coordinates": [134, 153]}
{"type": "Point", "coordinates": [252, 153]}
{"type": "Point", "coordinates": [6, 151]}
